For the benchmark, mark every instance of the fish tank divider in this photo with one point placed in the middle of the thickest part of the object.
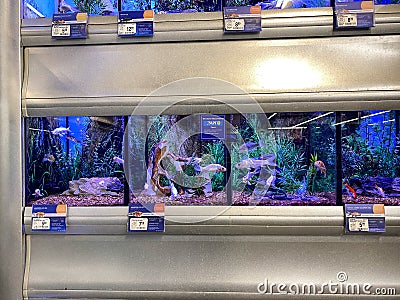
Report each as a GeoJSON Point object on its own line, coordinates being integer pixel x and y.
{"type": "Point", "coordinates": [338, 142]}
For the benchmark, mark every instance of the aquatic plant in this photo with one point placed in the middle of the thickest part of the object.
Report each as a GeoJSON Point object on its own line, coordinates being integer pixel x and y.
{"type": "Point", "coordinates": [310, 3]}
{"type": "Point", "coordinates": [137, 5]}
{"type": "Point", "coordinates": [369, 150]}
{"type": "Point", "coordinates": [238, 3]}
{"type": "Point", "coordinates": [291, 163]}
{"type": "Point", "coordinates": [91, 7]}
{"type": "Point", "coordinates": [216, 150]}
{"type": "Point", "coordinates": [321, 142]}
{"type": "Point", "coordinates": [102, 143]}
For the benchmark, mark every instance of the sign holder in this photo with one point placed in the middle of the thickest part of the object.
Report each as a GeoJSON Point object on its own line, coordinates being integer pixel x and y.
{"type": "Point", "coordinates": [365, 218]}
{"type": "Point", "coordinates": [69, 26]}
{"type": "Point", "coordinates": [135, 23]}
{"type": "Point", "coordinates": [146, 217]}
{"type": "Point", "coordinates": [50, 218]}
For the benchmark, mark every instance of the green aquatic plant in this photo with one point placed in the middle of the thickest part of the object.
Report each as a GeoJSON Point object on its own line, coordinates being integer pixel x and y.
{"type": "Point", "coordinates": [370, 156]}
{"type": "Point", "coordinates": [312, 173]}
{"type": "Point", "coordinates": [238, 3]}
{"type": "Point", "coordinates": [91, 7]}
{"type": "Point", "coordinates": [102, 143]}
{"type": "Point", "coordinates": [217, 151]}
{"type": "Point", "coordinates": [137, 4]}
{"type": "Point", "coordinates": [291, 162]}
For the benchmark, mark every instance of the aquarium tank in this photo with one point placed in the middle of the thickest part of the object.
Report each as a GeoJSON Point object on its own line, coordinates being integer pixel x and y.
{"type": "Point", "coordinates": [33, 9]}
{"type": "Point", "coordinates": [371, 157]}
{"type": "Point", "coordinates": [275, 159]}
{"type": "Point", "coordinates": [74, 160]}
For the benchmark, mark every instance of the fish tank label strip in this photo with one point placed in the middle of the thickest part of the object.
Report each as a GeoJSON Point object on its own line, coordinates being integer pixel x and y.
{"type": "Point", "coordinates": [212, 127]}
{"type": "Point", "coordinates": [135, 23]}
{"type": "Point", "coordinates": [365, 218]}
{"type": "Point", "coordinates": [69, 26]}
{"type": "Point", "coordinates": [242, 19]}
{"type": "Point", "coordinates": [49, 217]}
{"type": "Point", "coordinates": [146, 217]}
{"type": "Point", "coordinates": [354, 14]}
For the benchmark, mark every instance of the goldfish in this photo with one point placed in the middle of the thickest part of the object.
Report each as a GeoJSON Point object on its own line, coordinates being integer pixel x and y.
{"type": "Point", "coordinates": [118, 160]}
{"type": "Point", "coordinates": [381, 192]}
{"type": "Point", "coordinates": [350, 190]}
{"type": "Point", "coordinates": [61, 131]}
{"type": "Point", "coordinates": [49, 158]}
{"type": "Point", "coordinates": [319, 164]}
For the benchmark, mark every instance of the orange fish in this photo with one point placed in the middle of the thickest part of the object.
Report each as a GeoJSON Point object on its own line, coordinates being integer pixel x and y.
{"type": "Point", "coordinates": [319, 164]}
{"type": "Point", "coordinates": [350, 190]}
{"type": "Point", "coordinates": [381, 192]}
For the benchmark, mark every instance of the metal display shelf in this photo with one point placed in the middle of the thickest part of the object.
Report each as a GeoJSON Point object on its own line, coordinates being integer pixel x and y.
{"type": "Point", "coordinates": [289, 23]}
{"type": "Point", "coordinates": [216, 220]}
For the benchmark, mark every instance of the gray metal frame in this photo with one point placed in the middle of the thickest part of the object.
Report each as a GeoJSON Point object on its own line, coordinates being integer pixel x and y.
{"type": "Point", "coordinates": [226, 256]}
{"type": "Point", "coordinates": [290, 23]}
{"type": "Point", "coordinates": [11, 238]}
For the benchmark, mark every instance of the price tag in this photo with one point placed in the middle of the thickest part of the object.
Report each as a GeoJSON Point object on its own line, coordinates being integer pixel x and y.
{"type": "Point", "coordinates": [146, 217]}
{"type": "Point", "coordinates": [234, 24]}
{"type": "Point", "coordinates": [358, 224]}
{"type": "Point", "coordinates": [51, 217]}
{"type": "Point", "coordinates": [354, 14]}
{"type": "Point", "coordinates": [127, 29]}
{"type": "Point", "coordinates": [135, 23]}
{"type": "Point", "coordinates": [40, 223]}
{"type": "Point", "coordinates": [365, 218]}
{"type": "Point", "coordinates": [69, 26]}
{"type": "Point", "coordinates": [138, 224]}
{"type": "Point", "coordinates": [347, 20]}
{"type": "Point", "coordinates": [242, 19]}
{"type": "Point", "coordinates": [61, 30]}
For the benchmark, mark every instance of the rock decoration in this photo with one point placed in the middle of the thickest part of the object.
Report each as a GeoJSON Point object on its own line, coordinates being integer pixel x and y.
{"type": "Point", "coordinates": [160, 154]}
{"type": "Point", "coordinates": [96, 186]}
{"type": "Point", "coordinates": [370, 186]}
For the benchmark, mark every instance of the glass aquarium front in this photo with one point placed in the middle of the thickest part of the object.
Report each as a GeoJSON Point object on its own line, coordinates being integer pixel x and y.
{"type": "Point", "coordinates": [371, 157]}
{"type": "Point", "coordinates": [276, 159]}
{"type": "Point", "coordinates": [33, 9]}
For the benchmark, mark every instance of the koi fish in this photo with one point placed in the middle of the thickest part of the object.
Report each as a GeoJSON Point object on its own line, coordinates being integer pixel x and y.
{"type": "Point", "coordinates": [65, 7]}
{"type": "Point", "coordinates": [249, 146]}
{"type": "Point", "coordinates": [118, 160]}
{"type": "Point", "coordinates": [61, 131]}
{"type": "Point", "coordinates": [319, 164]}
{"type": "Point", "coordinates": [381, 192]}
{"type": "Point", "coordinates": [75, 140]}
{"type": "Point", "coordinates": [49, 158]}
{"type": "Point", "coordinates": [108, 9]}
{"type": "Point", "coordinates": [253, 163]}
{"type": "Point", "coordinates": [37, 193]}
{"type": "Point", "coordinates": [350, 190]}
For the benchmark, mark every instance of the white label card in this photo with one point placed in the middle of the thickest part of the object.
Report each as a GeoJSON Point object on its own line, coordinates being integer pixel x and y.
{"type": "Point", "coordinates": [234, 24]}
{"type": "Point", "coordinates": [127, 29]}
{"type": "Point", "coordinates": [347, 20]}
{"type": "Point", "coordinates": [138, 224]}
{"type": "Point", "coordinates": [358, 224]}
{"type": "Point", "coordinates": [41, 224]}
{"type": "Point", "coordinates": [61, 30]}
